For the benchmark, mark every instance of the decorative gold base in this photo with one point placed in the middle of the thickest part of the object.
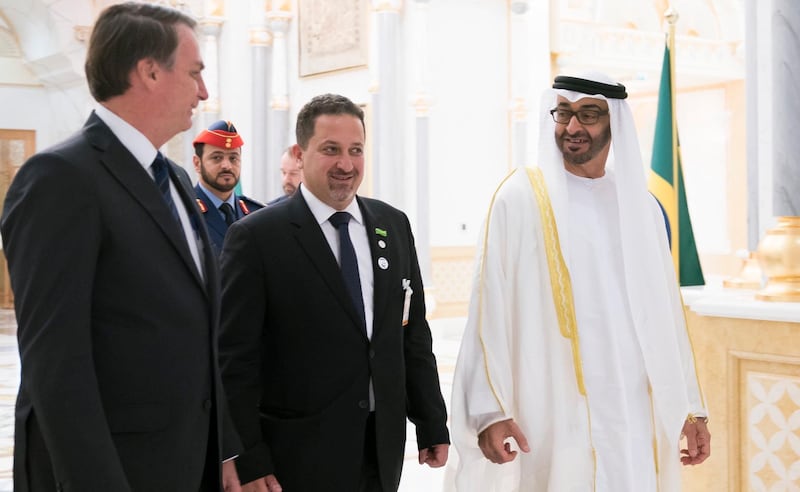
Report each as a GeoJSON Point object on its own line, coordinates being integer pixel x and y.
{"type": "Point", "coordinates": [780, 290]}
{"type": "Point", "coordinates": [779, 256]}
{"type": "Point", "coordinates": [749, 277]}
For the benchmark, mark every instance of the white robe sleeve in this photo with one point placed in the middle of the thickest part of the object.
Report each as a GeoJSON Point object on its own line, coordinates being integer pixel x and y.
{"type": "Point", "coordinates": [483, 369]}
{"type": "Point", "coordinates": [694, 393]}
{"type": "Point", "coordinates": [483, 389]}
{"type": "Point", "coordinates": [515, 362]}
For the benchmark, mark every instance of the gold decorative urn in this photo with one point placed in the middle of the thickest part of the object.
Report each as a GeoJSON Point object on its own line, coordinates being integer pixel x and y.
{"type": "Point", "coordinates": [779, 257]}
{"type": "Point", "coordinates": [750, 275]}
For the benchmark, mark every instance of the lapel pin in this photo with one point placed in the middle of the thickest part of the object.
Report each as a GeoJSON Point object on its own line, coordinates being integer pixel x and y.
{"type": "Point", "coordinates": [381, 243]}
{"type": "Point", "coordinates": [380, 232]}
{"type": "Point", "coordinates": [383, 263]}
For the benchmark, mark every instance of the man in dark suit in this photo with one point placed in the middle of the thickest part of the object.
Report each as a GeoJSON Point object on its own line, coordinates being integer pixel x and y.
{"type": "Point", "coordinates": [218, 163]}
{"type": "Point", "coordinates": [116, 288]}
{"type": "Point", "coordinates": [322, 364]}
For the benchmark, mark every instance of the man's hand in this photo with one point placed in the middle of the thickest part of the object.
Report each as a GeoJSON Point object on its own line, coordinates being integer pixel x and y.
{"type": "Point", "coordinates": [264, 484]}
{"type": "Point", "coordinates": [435, 456]}
{"type": "Point", "coordinates": [492, 441]}
{"type": "Point", "coordinates": [698, 442]}
{"type": "Point", "coordinates": [272, 484]}
{"type": "Point", "coordinates": [230, 479]}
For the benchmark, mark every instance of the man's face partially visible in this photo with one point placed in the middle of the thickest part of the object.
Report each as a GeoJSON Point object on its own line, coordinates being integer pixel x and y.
{"type": "Point", "coordinates": [181, 87]}
{"type": "Point", "coordinates": [219, 168]}
{"type": "Point", "coordinates": [291, 174]}
{"type": "Point", "coordinates": [581, 143]}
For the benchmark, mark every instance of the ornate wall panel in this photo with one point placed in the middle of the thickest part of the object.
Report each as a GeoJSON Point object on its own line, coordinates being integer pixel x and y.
{"type": "Point", "coordinates": [749, 370]}
{"type": "Point", "coordinates": [769, 421]}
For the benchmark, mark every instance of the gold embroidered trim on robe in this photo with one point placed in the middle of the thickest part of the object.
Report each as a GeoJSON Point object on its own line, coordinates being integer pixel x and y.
{"type": "Point", "coordinates": [560, 283]}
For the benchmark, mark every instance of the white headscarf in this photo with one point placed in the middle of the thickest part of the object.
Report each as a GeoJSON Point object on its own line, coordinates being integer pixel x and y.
{"type": "Point", "coordinates": [624, 159]}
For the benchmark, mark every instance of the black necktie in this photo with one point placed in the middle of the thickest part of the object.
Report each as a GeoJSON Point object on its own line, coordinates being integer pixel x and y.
{"type": "Point", "coordinates": [348, 262]}
{"type": "Point", "coordinates": [227, 211]}
{"type": "Point", "coordinates": [161, 175]}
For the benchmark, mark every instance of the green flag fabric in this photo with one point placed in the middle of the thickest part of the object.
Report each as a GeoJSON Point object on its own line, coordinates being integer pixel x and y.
{"type": "Point", "coordinates": [661, 183]}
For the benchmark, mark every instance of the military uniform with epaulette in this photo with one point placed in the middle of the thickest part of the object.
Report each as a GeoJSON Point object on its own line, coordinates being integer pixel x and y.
{"type": "Point", "coordinates": [214, 153]}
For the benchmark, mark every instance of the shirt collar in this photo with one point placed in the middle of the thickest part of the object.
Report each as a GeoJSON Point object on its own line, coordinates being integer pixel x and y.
{"type": "Point", "coordinates": [323, 211]}
{"type": "Point", "coordinates": [131, 138]}
{"type": "Point", "coordinates": [215, 199]}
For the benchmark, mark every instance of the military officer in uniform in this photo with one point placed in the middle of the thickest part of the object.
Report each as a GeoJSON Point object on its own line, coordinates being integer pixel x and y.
{"type": "Point", "coordinates": [218, 162]}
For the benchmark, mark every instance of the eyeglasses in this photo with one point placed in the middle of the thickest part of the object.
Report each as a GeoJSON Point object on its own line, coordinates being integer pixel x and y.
{"type": "Point", "coordinates": [585, 116]}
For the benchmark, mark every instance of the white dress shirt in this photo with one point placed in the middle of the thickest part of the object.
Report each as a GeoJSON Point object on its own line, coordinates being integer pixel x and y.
{"type": "Point", "coordinates": [358, 235]}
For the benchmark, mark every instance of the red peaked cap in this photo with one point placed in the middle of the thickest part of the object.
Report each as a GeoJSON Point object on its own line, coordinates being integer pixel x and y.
{"type": "Point", "coordinates": [220, 134]}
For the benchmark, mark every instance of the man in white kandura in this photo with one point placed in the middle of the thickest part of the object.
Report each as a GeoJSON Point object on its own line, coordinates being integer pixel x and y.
{"type": "Point", "coordinates": [576, 350]}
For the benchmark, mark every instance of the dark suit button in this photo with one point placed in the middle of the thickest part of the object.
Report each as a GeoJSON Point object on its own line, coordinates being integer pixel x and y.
{"type": "Point", "coordinates": [363, 404]}
{"type": "Point", "coordinates": [207, 405]}
{"type": "Point", "coordinates": [371, 354]}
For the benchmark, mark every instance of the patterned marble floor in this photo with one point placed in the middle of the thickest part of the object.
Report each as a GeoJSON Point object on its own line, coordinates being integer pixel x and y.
{"type": "Point", "coordinates": [446, 341]}
{"type": "Point", "coordinates": [9, 382]}
{"type": "Point", "coordinates": [447, 333]}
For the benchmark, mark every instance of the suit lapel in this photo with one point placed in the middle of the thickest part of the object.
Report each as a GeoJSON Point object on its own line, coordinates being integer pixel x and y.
{"type": "Point", "coordinates": [311, 239]}
{"type": "Point", "coordinates": [119, 162]}
{"type": "Point", "coordinates": [184, 187]}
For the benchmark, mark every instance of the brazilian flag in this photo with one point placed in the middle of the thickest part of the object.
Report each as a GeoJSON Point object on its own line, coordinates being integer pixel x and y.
{"type": "Point", "coordinates": [665, 171]}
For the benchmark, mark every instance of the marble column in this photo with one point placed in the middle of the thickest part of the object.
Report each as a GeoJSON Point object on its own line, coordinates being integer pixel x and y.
{"type": "Point", "coordinates": [519, 83]}
{"type": "Point", "coordinates": [278, 22]}
{"type": "Point", "coordinates": [388, 156]}
{"type": "Point", "coordinates": [785, 29]}
{"type": "Point", "coordinates": [752, 124]}
{"type": "Point", "coordinates": [773, 82]}
{"type": "Point", "coordinates": [210, 28]}
{"type": "Point", "coordinates": [257, 181]}
{"type": "Point", "coordinates": [421, 102]}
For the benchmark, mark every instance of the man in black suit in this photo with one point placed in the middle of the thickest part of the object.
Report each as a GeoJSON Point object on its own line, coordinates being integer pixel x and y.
{"type": "Point", "coordinates": [218, 162]}
{"type": "Point", "coordinates": [116, 288]}
{"type": "Point", "coordinates": [322, 364]}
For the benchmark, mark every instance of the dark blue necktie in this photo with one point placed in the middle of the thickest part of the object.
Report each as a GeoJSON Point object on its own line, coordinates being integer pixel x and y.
{"type": "Point", "coordinates": [348, 262]}
{"type": "Point", "coordinates": [227, 211]}
{"type": "Point", "coordinates": [161, 175]}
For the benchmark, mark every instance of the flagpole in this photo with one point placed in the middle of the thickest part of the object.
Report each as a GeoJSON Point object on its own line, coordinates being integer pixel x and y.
{"type": "Point", "coordinates": [672, 18]}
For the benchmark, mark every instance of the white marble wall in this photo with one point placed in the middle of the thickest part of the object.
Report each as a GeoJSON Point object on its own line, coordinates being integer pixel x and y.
{"type": "Point", "coordinates": [483, 79]}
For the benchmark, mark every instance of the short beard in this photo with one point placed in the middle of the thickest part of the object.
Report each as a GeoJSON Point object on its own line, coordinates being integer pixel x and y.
{"type": "Point", "coordinates": [212, 182]}
{"type": "Point", "coordinates": [595, 148]}
{"type": "Point", "coordinates": [340, 194]}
